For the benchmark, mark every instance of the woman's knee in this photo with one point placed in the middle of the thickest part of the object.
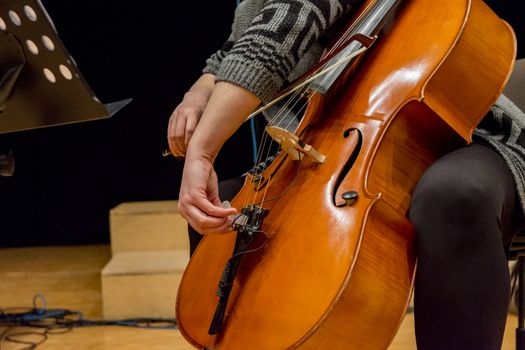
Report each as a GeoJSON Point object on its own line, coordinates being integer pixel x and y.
{"type": "Point", "coordinates": [453, 197]}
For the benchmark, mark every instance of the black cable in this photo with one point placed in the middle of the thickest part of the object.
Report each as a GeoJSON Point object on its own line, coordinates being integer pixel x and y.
{"type": "Point", "coordinates": [58, 321]}
{"type": "Point", "coordinates": [47, 318]}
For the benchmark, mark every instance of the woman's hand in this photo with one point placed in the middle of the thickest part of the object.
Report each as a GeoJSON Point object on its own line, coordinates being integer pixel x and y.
{"type": "Point", "coordinates": [187, 114]}
{"type": "Point", "coordinates": [199, 201]}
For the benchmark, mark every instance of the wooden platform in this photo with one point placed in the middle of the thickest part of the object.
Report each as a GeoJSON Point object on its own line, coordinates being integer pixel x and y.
{"type": "Point", "coordinates": [148, 278]}
{"type": "Point", "coordinates": [147, 226]}
{"type": "Point", "coordinates": [69, 278]}
{"type": "Point", "coordinates": [149, 252]}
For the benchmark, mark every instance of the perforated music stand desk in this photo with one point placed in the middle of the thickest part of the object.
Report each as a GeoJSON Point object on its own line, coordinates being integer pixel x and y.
{"type": "Point", "coordinates": [40, 83]}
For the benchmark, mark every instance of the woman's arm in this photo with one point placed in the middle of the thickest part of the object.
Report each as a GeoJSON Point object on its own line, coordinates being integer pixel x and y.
{"type": "Point", "coordinates": [199, 202]}
{"type": "Point", "coordinates": [187, 114]}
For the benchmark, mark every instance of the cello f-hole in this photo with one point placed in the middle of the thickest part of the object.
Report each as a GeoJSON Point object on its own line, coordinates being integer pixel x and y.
{"type": "Point", "coordinates": [358, 139]}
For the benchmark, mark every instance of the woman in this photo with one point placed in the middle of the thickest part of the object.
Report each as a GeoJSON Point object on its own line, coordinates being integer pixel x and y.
{"type": "Point", "coordinates": [466, 207]}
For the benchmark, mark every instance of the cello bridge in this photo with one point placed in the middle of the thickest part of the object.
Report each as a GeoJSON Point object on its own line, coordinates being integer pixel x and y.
{"type": "Point", "coordinates": [293, 145]}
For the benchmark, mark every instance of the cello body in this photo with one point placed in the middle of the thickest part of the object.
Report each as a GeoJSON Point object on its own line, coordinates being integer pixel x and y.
{"type": "Point", "coordinates": [325, 275]}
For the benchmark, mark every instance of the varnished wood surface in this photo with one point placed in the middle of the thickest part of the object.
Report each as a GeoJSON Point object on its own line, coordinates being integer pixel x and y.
{"type": "Point", "coordinates": [69, 278]}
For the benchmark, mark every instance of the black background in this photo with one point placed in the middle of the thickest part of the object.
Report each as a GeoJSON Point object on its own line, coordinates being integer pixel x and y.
{"type": "Point", "coordinates": [67, 178]}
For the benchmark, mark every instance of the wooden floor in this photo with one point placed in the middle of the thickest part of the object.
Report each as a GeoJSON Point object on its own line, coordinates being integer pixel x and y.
{"type": "Point", "coordinates": [69, 278]}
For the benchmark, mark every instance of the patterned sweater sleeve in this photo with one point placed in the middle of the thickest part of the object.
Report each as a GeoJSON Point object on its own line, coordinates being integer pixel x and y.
{"type": "Point", "coordinates": [261, 59]}
{"type": "Point", "coordinates": [244, 14]}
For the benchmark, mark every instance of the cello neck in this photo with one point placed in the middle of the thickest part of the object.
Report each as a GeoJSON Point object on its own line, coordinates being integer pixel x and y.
{"type": "Point", "coordinates": [369, 23]}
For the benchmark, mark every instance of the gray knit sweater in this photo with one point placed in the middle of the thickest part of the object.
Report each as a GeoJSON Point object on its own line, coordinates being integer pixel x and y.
{"type": "Point", "coordinates": [289, 31]}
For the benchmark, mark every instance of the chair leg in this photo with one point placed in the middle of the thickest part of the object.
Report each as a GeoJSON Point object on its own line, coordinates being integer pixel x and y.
{"type": "Point", "coordinates": [520, 331]}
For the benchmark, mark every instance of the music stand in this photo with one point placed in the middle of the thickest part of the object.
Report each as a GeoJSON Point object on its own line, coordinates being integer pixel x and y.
{"type": "Point", "coordinates": [40, 83]}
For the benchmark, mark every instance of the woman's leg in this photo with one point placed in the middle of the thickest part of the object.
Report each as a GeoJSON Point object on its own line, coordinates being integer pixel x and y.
{"type": "Point", "coordinates": [464, 210]}
{"type": "Point", "coordinates": [227, 191]}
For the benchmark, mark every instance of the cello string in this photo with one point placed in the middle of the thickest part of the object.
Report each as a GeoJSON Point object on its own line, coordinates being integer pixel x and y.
{"type": "Point", "coordinates": [295, 99]}
{"type": "Point", "coordinates": [305, 83]}
{"type": "Point", "coordinates": [299, 90]}
{"type": "Point", "coordinates": [287, 189]}
{"type": "Point", "coordinates": [284, 111]}
{"type": "Point", "coordinates": [266, 188]}
{"type": "Point", "coordinates": [340, 41]}
{"type": "Point", "coordinates": [266, 143]}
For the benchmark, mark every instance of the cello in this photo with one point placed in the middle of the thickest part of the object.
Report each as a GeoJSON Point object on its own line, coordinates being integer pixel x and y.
{"type": "Point", "coordinates": [322, 256]}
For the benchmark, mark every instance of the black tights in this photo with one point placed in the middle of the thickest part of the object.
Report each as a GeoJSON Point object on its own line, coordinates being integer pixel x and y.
{"type": "Point", "coordinates": [464, 210]}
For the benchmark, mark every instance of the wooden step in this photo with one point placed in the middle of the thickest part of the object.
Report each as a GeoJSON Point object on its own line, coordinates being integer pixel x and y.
{"type": "Point", "coordinates": [142, 284]}
{"type": "Point", "coordinates": [144, 226]}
